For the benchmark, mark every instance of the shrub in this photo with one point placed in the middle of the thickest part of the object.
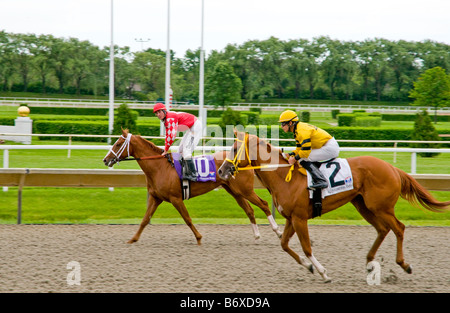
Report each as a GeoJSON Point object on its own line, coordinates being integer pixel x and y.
{"type": "Point", "coordinates": [425, 131]}
{"type": "Point", "coordinates": [335, 113]}
{"type": "Point", "coordinates": [252, 117]}
{"type": "Point", "coordinates": [346, 119]}
{"type": "Point", "coordinates": [305, 117]}
{"type": "Point", "coordinates": [230, 117]}
{"type": "Point", "coordinates": [367, 121]}
{"type": "Point", "coordinates": [125, 119]}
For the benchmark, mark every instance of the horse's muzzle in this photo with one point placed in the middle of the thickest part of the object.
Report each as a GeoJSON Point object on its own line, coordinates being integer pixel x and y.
{"type": "Point", "coordinates": [226, 172]}
{"type": "Point", "coordinates": [110, 161]}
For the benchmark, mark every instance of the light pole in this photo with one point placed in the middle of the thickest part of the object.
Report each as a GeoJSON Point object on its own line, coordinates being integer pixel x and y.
{"type": "Point", "coordinates": [201, 112]}
{"type": "Point", "coordinates": [142, 41]}
{"type": "Point", "coordinates": [167, 87]}
{"type": "Point", "coordinates": [111, 78]}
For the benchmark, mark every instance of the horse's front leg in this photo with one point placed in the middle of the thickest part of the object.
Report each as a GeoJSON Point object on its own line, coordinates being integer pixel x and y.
{"type": "Point", "coordinates": [287, 234]}
{"type": "Point", "coordinates": [301, 228]}
{"type": "Point", "coordinates": [152, 204]}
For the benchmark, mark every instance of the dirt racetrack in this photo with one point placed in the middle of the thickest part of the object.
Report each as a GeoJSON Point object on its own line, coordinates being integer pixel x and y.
{"type": "Point", "coordinates": [34, 258]}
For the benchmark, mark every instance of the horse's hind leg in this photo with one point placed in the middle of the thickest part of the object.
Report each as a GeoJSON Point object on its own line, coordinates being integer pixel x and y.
{"type": "Point", "coordinates": [247, 209]}
{"type": "Point", "coordinates": [250, 213]}
{"type": "Point", "coordinates": [399, 230]}
{"type": "Point", "coordinates": [381, 228]}
{"type": "Point", "coordinates": [286, 236]}
{"type": "Point", "coordinates": [262, 204]}
{"type": "Point", "coordinates": [181, 208]}
{"type": "Point", "coordinates": [384, 220]}
{"type": "Point", "coordinates": [152, 204]}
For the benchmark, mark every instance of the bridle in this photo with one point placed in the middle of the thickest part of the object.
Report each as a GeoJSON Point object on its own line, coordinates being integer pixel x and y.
{"type": "Point", "coordinates": [126, 145]}
{"type": "Point", "coordinates": [243, 149]}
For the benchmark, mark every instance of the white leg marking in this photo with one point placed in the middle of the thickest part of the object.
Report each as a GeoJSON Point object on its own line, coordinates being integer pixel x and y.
{"type": "Point", "coordinates": [274, 226]}
{"type": "Point", "coordinates": [322, 271]}
{"type": "Point", "coordinates": [256, 231]}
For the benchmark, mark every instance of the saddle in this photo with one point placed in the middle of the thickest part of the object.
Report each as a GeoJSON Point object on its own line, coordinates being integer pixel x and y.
{"type": "Point", "coordinates": [338, 174]}
{"type": "Point", "coordinates": [206, 171]}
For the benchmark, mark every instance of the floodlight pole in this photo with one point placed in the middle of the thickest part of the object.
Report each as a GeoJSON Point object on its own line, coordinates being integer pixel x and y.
{"type": "Point", "coordinates": [168, 57]}
{"type": "Point", "coordinates": [111, 79]}
{"type": "Point", "coordinates": [201, 112]}
{"type": "Point", "coordinates": [167, 87]}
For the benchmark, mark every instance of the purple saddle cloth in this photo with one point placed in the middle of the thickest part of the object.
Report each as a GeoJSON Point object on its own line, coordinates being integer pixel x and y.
{"type": "Point", "coordinates": [205, 165]}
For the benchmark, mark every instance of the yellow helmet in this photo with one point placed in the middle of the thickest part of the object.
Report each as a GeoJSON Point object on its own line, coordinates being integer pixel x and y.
{"type": "Point", "coordinates": [287, 116]}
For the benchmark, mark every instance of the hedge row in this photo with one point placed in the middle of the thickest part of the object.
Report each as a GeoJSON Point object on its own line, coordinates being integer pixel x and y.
{"type": "Point", "coordinates": [211, 113]}
{"type": "Point", "coordinates": [152, 129]}
{"type": "Point", "coordinates": [359, 119]}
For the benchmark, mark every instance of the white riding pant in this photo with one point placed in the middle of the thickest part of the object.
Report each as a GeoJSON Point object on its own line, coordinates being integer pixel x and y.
{"type": "Point", "coordinates": [330, 150]}
{"type": "Point", "coordinates": [190, 140]}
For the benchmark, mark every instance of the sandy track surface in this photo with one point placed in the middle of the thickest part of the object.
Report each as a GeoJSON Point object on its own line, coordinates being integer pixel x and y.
{"type": "Point", "coordinates": [167, 259]}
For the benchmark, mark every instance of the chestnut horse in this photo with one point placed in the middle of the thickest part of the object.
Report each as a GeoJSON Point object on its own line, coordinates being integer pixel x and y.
{"type": "Point", "coordinates": [377, 187]}
{"type": "Point", "coordinates": [163, 183]}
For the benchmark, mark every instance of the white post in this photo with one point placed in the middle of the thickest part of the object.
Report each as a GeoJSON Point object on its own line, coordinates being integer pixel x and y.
{"type": "Point", "coordinates": [5, 163]}
{"type": "Point", "coordinates": [111, 79]}
{"type": "Point", "coordinates": [167, 87]}
{"type": "Point", "coordinates": [413, 162]}
{"type": "Point", "coordinates": [201, 113]}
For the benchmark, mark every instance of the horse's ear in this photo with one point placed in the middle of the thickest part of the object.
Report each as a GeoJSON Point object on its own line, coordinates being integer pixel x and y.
{"type": "Point", "coordinates": [235, 131]}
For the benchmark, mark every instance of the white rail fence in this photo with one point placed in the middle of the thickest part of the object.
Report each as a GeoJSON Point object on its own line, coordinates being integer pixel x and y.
{"type": "Point", "coordinates": [204, 149]}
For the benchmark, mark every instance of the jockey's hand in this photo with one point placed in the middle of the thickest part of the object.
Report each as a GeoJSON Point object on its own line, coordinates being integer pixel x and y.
{"type": "Point", "coordinates": [164, 153]}
{"type": "Point", "coordinates": [292, 160]}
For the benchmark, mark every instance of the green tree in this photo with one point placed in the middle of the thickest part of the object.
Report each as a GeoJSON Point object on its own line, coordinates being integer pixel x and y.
{"type": "Point", "coordinates": [432, 89]}
{"type": "Point", "coordinates": [150, 73]}
{"type": "Point", "coordinates": [42, 62]}
{"type": "Point", "coordinates": [222, 86]}
{"type": "Point", "coordinates": [425, 131]}
{"type": "Point", "coordinates": [126, 119]}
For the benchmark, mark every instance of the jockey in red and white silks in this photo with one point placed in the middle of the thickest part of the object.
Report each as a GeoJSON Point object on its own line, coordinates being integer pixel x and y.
{"type": "Point", "coordinates": [180, 121]}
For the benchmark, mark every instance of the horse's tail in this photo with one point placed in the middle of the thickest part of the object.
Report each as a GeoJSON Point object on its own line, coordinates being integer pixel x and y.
{"type": "Point", "coordinates": [415, 193]}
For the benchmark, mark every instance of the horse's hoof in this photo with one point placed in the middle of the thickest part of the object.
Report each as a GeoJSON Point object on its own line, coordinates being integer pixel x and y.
{"type": "Point", "coordinates": [311, 268]}
{"type": "Point", "coordinates": [131, 241]}
{"type": "Point", "coordinates": [408, 269]}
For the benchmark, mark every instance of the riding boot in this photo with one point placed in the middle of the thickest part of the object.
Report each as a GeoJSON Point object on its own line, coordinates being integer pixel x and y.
{"type": "Point", "coordinates": [318, 179]}
{"type": "Point", "coordinates": [189, 171]}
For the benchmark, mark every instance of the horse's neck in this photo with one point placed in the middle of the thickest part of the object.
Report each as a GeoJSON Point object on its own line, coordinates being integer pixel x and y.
{"type": "Point", "coordinates": [141, 148]}
{"type": "Point", "coordinates": [272, 176]}
{"type": "Point", "coordinates": [149, 167]}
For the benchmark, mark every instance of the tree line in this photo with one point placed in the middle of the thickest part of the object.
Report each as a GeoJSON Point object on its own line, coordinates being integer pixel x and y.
{"type": "Point", "coordinates": [321, 68]}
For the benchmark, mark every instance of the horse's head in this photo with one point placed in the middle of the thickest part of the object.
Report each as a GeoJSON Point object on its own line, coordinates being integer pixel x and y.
{"type": "Point", "coordinates": [249, 152]}
{"type": "Point", "coordinates": [238, 157]}
{"type": "Point", "coordinates": [120, 150]}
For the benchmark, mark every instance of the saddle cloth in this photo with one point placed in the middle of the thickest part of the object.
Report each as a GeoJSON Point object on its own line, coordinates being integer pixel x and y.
{"type": "Point", "coordinates": [338, 174]}
{"type": "Point", "coordinates": [204, 164]}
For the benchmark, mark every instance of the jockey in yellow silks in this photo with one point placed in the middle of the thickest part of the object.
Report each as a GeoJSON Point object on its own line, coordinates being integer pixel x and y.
{"type": "Point", "coordinates": [313, 145]}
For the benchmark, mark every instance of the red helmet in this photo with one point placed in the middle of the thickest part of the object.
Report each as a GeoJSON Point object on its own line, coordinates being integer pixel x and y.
{"type": "Point", "coordinates": [159, 106]}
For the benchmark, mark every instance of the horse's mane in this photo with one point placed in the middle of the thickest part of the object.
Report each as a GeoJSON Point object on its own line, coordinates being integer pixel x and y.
{"type": "Point", "coordinates": [151, 145]}
{"type": "Point", "coordinates": [270, 148]}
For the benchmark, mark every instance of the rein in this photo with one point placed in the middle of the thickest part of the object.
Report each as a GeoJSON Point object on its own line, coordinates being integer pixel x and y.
{"type": "Point", "coordinates": [235, 162]}
{"type": "Point", "coordinates": [126, 145]}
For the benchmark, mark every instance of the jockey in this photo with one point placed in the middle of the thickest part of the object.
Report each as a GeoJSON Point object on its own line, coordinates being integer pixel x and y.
{"type": "Point", "coordinates": [180, 121]}
{"type": "Point", "coordinates": [313, 144]}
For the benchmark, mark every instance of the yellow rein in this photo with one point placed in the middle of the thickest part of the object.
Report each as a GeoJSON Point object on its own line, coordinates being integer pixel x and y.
{"type": "Point", "coordinates": [241, 150]}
